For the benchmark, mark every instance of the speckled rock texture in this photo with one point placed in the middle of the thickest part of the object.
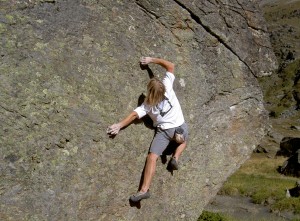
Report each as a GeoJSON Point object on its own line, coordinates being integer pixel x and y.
{"type": "Point", "coordinates": [70, 68]}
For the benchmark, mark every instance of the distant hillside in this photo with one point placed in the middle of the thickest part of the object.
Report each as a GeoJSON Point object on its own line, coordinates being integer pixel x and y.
{"type": "Point", "coordinates": [282, 89]}
{"type": "Point", "coordinates": [283, 18]}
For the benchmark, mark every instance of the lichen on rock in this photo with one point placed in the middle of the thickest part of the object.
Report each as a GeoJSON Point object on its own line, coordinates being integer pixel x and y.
{"type": "Point", "coordinates": [70, 68]}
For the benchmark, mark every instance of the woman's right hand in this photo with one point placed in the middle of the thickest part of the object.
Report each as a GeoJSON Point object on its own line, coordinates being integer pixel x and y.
{"type": "Point", "coordinates": [113, 129]}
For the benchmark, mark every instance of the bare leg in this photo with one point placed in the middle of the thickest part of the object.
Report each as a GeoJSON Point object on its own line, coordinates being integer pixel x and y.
{"type": "Point", "coordinates": [179, 150]}
{"type": "Point", "coordinates": [149, 171]}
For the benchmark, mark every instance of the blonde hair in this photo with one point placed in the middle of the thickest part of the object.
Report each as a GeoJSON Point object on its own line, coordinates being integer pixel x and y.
{"type": "Point", "coordinates": [155, 92]}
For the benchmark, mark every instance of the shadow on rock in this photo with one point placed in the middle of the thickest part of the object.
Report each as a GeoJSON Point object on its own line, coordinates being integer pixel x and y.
{"type": "Point", "coordinates": [135, 204]}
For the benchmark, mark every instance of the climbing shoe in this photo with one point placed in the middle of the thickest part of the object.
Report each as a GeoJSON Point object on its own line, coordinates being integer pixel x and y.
{"type": "Point", "coordinates": [139, 196]}
{"type": "Point", "coordinates": [173, 164]}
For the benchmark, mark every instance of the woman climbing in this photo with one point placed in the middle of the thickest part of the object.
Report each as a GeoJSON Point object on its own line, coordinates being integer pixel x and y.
{"type": "Point", "coordinates": [163, 107]}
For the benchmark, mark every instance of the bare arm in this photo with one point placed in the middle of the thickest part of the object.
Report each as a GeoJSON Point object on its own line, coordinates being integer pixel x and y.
{"type": "Point", "coordinates": [169, 66]}
{"type": "Point", "coordinates": [115, 128]}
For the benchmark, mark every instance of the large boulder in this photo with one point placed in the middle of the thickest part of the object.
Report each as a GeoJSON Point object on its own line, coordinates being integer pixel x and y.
{"type": "Point", "coordinates": [290, 147]}
{"type": "Point", "coordinates": [69, 68]}
{"type": "Point", "coordinates": [291, 167]}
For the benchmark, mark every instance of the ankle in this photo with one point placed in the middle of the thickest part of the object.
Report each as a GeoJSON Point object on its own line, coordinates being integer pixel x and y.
{"type": "Point", "coordinates": [143, 190]}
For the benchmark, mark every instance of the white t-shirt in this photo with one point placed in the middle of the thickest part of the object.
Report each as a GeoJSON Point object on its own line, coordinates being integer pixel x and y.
{"type": "Point", "coordinates": [167, 114]}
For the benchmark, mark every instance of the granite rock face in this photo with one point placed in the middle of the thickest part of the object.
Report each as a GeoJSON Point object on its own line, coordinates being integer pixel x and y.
{"type": "Point", "coordinates": [69, 68]}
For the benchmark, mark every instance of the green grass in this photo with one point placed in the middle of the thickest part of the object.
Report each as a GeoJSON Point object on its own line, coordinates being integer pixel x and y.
{"type": "Point", "coordinates": [258, 179]}
{"type": "Point", "coordinates": [210, 216]}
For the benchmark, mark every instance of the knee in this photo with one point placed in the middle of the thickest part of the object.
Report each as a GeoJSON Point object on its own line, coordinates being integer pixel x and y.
{"type": "Point", "coordinates": [152, 157]}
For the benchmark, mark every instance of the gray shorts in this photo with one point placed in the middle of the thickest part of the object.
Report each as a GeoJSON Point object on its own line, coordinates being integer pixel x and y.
{"type": "Point", "coordinates": [163, 138]}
